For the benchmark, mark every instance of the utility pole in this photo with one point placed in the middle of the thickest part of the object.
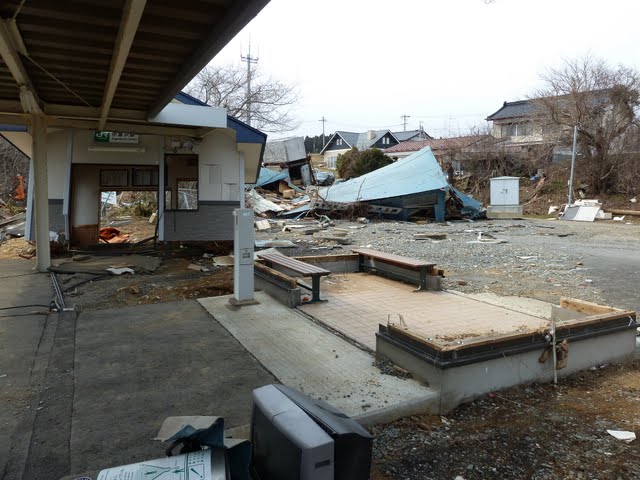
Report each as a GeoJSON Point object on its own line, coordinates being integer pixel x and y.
{"type": "Point", "coordinates": [404, 121]}
{"type": "Point", "coordinates": [250, 60]}
{"type": "Point", "coordinates": [323, 120]}
{"type": "Point", "coordinates": [573, 162]}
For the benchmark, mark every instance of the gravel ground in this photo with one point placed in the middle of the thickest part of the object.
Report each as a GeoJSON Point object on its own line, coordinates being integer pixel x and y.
{"type": "Point", "coordinates": [541, 259]}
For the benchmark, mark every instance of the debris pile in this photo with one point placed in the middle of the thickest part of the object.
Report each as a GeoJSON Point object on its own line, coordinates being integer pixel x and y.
{"type": "Point", "coordinates": [412, 188]}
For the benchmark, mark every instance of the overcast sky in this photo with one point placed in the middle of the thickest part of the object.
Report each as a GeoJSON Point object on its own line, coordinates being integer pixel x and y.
{"type": "Point", "coordinates": [362, 64]}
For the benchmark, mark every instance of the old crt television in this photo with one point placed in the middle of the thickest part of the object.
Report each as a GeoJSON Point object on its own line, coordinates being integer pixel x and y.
{"type": "Point", "coordinates": [297, 437]}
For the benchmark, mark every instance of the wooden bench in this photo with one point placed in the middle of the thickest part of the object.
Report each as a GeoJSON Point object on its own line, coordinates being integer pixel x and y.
{"type": "Point", "coordinates": [423, 268]}
{"type": "Point", "coordinates": [304, 269]}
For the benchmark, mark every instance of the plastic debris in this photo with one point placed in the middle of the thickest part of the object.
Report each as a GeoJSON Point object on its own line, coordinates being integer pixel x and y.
{"type": "Point", "coordinates": [623, 435]}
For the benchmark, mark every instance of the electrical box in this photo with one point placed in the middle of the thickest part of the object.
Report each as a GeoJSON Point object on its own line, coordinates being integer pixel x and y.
{"type": "Point", "coordinates": [243, 246]}
{"type": "Point", "coordinates": [505, 191]}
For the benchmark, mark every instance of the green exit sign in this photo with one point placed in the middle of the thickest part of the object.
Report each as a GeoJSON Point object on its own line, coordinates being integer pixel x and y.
{"type": "Point", "coordinates": [115, 137]}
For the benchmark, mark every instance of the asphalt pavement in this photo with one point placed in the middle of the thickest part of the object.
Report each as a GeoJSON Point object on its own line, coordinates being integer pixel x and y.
{"type": "Point", "coordinates": [89, 390]}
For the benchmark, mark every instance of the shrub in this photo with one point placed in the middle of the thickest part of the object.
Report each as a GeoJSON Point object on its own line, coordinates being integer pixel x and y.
{"type": "Point", "coordinates": [355, 163]}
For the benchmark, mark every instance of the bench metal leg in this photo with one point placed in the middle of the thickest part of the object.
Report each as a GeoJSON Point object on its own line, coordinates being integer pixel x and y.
{"type": "Point", "coordinates": [315, 289]}
{"type": "Point", "coordinates": [423, 279]}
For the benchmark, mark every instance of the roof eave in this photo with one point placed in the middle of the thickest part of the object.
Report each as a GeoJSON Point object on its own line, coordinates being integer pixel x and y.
{"type": "Point", "coordinates": [232, 22]}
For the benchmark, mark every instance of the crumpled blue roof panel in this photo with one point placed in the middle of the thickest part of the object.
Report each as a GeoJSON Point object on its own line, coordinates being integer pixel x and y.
{"type": "Point", "coordinates": [268, 176]}
{"type": "Point", "coordinates": [419, 172]}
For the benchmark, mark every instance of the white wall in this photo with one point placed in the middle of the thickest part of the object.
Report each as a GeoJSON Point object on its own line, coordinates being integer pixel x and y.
{"type": "Point", "coordinates": [56, 163]}
{"type": "Point", "coordinates": [86, 195]}
{"type": "Point", "coordinates": [218, 168]}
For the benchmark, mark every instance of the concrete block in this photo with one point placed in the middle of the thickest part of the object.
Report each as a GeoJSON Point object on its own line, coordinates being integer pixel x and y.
{"type": "Point", "coordinates": [504, 211]}
{"type": "Point", "coordinates": [290, 193]}
{"type": "Point", "coordinates": [467, 382]}
{"type": "Point", "coordinates": [262, 225]}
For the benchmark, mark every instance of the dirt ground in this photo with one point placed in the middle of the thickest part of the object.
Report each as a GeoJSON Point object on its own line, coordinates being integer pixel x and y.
{"type": "Point", "coordinates": [173, 280]}
{"type": "Point", "coordinates": [538, 431]}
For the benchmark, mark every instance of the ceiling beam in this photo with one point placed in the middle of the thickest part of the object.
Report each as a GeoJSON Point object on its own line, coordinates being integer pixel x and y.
{"type": "Point", "coordinates": [80, 111]}
{"type": "Point", "coordinates": [10, 44]}
{"type": "Point", "coordinates": [10, 106]}
{"type": "Point", "coordinates": [131, 15]}
{"type": "Point", "coordinates": [87, 124]}
{"type": "Point", "coordinates": [234, 19]}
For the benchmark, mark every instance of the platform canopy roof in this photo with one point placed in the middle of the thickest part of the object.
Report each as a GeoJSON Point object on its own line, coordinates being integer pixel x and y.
{"type": "Point", "coordinates": [108, 64]}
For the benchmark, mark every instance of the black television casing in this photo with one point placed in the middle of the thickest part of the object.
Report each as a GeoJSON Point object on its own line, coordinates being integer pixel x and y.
{"type": "Point", "coordinates": [353, 444]}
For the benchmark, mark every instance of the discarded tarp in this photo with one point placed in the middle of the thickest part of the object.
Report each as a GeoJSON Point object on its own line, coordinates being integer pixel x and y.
{"type": "Point", "coordinates": [113, 235]}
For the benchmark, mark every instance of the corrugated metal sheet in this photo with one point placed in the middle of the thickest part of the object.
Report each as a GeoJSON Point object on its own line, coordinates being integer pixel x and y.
{"type": "Point", "coordinates": [284, 150]}
{"type": "Point", "coordinates": [419, 172]}
{"type": "Point", "coordinates": [268, 176]}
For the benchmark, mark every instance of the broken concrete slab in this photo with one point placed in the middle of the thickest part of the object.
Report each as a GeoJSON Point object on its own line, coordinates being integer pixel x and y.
{"type": "Point", "coordinates": [487, 242]}
{"type": "Point", "coordinates": [198, 268]}
{"type": "Point", "coordinates": [99, 265]}
{"type": "Point", "coordinates": [223, 261]}
{"type": "Point", "coordinates": [338, 239]}
{"type": "Point", "coordinates": [274, 244]}
{"type": "Point", "coordinates": [430, 236]}
{"type": "Point", "coordinates": [262, 225]}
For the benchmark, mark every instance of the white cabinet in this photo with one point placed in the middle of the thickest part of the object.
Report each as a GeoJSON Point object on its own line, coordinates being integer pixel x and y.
{"type": "Point", "coordinates": [505, 191]}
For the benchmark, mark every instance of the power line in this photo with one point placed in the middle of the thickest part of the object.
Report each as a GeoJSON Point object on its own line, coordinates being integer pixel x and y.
{"type": "Point", "coordinates": [323, 120]}
{"type": "Point", "coordinates": [250, 60]}
{"type": "Point", "coordinates": [404, 118]}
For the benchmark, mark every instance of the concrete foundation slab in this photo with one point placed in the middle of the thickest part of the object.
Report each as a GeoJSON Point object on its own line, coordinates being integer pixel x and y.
{"type": "Point", "coordinates": [308, 357]}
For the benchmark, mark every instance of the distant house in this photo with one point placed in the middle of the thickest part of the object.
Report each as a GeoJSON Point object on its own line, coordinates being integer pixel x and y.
{"type": "Point", "coordinates": [407, 135]}
{"type": "Point", "coordinates": [515, 123]}
{"type": "Point", "coordinates": [341, 142]}
{"type": "Point", "coordinates": [446, 150]}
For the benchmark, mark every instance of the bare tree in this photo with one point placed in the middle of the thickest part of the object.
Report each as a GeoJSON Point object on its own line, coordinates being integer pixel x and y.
{"type": "Point", "coordinates": [12, 163]}
{"type": "Point", "coordinates": [602, 101]}
{"type": "Point", "coordinates": [226, 86]}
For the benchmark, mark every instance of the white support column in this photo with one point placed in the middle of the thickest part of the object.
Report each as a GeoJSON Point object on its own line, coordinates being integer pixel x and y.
{"type": "Point", "coordinates": [28, 230]}
{"type": "Point", "coordinates": [161, 191]}
{"type": "Point", "coordinates": [241, 178]}
{"type": "Point", "coordinates": [41, 191]}
{"type": "Point", "coordinates": [67, 186]}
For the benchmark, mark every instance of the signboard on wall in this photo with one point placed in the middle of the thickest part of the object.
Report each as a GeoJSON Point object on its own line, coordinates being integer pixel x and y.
{"type": "Point", "coordinates": [116, 137]}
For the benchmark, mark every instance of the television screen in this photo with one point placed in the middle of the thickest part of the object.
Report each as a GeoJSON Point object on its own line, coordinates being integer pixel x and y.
{"type": "Point", "coordinates": [287, 443]}
{"type": "Point", "coordinates": [352, 443]}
